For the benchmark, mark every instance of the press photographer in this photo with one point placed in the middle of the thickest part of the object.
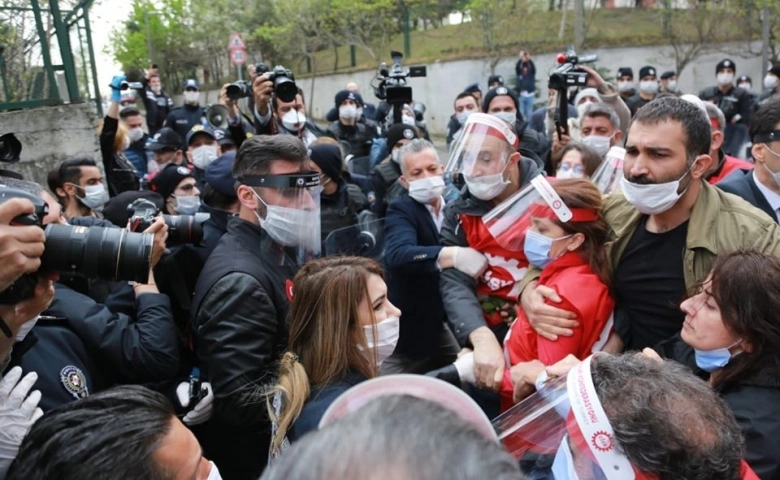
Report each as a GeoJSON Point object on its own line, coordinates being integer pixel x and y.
{"type": "Point", "coordinates": [78, 346]}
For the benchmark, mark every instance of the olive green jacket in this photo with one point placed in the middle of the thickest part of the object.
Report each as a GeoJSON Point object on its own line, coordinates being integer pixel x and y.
{"type": "Point", "coordinates": [720, 223]}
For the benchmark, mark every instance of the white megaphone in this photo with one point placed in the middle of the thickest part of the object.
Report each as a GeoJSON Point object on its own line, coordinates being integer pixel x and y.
{"type": "Point", "coordinates": [217, 116]}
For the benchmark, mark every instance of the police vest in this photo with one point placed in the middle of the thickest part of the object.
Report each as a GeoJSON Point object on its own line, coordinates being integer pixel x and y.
{"type": "Point", "coordinates": [341, 212]}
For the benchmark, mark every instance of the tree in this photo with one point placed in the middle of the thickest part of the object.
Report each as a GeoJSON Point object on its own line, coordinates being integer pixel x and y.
{"type": "Point", "coordinates": [368, 25]}
{"type": "Point", "coordinates": [497, 21]}
{"type": "Point", "coordinates": [693, 31]}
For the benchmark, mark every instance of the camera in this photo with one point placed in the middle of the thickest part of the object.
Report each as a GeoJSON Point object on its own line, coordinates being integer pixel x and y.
{"type": "Point", "coordinates": [182, 229]}
{"type": "Point", "coordinates": [392, 82]}
{"type": "Point", "coordinates": [567, 75]}
{"type": "Point", "coordinates": [284, 84]}
{"type": "Point", "coordinates": [131, 86]}
{"type": "Point", "coordinates": [92, 252]}
{"type": "Point", "coordinates": [10, 148]}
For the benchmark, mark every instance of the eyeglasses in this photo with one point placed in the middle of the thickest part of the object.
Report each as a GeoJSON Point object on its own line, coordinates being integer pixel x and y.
{"type": "Point", "coordinates": [566, 167]}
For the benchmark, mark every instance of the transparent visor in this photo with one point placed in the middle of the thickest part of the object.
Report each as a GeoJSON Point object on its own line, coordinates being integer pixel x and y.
{"type": "Point", "coordinates": [290, 211]}
{"type": "Point", "coordinates": [366, 239]}
{"type": "Point", "coordinates": [561, 432]}
{"type": "Point", "coordinates": [609, 174]}
{"type": "Point", "coordinates": [483, 148]}
{"type": "Point", "coordinates": [508, 221]}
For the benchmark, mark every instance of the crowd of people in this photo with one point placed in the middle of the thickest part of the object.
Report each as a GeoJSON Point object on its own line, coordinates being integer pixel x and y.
{"type": "Point", "coordinates": [589, 300]}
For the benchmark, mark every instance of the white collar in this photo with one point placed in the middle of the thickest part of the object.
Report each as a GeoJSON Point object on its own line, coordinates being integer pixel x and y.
{"type": "Point", "coordinates": [438, 218]}
{"type": "Point", "coordinates": [771, 197]}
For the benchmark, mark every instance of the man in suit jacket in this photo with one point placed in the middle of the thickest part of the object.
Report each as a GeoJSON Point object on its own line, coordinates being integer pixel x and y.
{"type": "Point", "coordinates": [414, 257]}
{"type": "Point", "coordinates": [761, 186]}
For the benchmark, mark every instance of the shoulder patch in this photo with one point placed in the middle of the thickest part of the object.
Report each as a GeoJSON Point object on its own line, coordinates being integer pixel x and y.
{"type": "Point", "coordinates": [74, 381]}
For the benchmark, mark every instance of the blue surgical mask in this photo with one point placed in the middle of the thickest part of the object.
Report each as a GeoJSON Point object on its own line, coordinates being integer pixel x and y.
{"type": "Point", "coordinates": [537, 248]}
{"type": "Point", "coordinates": [711, 360]}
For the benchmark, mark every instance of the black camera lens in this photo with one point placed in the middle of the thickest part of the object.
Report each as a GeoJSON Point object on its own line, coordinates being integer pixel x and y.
{"type": "Point", "coordinates": [285, 89]}
{"type": "Point", "coordinates": [98, 252]}
{"type": "Point", "coordinates": [238, 90]}
{"type": "Point", "coordinates": [185, 228]}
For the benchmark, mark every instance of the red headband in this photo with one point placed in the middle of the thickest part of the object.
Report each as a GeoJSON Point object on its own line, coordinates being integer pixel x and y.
{"type": "Point", "coordinates": [578, 214]}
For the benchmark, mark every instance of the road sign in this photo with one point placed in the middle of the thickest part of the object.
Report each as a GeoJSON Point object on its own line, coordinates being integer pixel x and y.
{"type": "Point", "coordinates": [238, 57]}
{"type": "Point", "coordinates": [236, 42]}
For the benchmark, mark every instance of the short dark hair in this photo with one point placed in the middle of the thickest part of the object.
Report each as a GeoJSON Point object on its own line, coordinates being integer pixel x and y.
{"type": "Point", "coordinates": [154, 75]}
{"type": "Point", "coordinates": [70, 169]}
{"type": "Point", "coordinates": [24, 185]}
{"type": "Point", "coordinates": [113, 431]}
{"type": "Point", "coordinates": [765, 119]}
{"type": "Point", "coordinates": [591, 160]}
{"type": "Point", "coordinates": [256, 154]}
{"type": "Point", "coordinates": [217, 199]}
{"type": "Point", "coordinates": [129, 112]}
{"type": "Point", "coordinates": [667, 421]}
{"type": "Point", "coordinates": [601, 109]}
{"type": "Point", "coordinates": [464, 95]}
{"type": "Point", "coordinates": [694, 122]}
{"type": "Point", "coordinates": [275, 102]}
{"type": "Point", "coordinates": [409, 436]}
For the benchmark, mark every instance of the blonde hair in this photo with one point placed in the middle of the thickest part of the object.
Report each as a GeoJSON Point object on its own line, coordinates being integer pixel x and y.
{"type": "Point", "coordinates": [326, 338]}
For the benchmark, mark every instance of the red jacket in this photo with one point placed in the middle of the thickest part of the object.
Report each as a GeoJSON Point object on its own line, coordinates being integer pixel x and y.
{"type": "Point", "coordinates": [729, 165]}
{"type": "Point", "coordinates": [581, 292]}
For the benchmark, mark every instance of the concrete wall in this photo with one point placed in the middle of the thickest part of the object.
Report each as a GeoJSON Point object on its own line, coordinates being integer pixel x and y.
{"type": "Point", "coordinates": [49, 135]}
{"type": "Point", "coordinates": [446, 80]}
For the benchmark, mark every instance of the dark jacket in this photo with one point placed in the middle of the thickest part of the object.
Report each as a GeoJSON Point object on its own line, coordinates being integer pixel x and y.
{"type": "Point", "coordinates": [741, 184]}
{"type": "Point", "coordinates": [458, 290]}
{"type": "Point", "coordinates": [85, 347]}
{"type": "Point", "coordinates": [182, 119]}
{"type": "Point", "coordinates": [340, 210]}
{"type": "Point", "coordinates": [213, 229]}
{"type": "Point", "coordinates": [526, 76]}
{"type": "Point", "coordinates": [734, 102]}
{"type": "Point", "coordinates": [137, 154]}
{"type": "Point", "coordinates": [412, 246]}
{"type": "Point", "coordinates": [356, 137]}
{"type": "Point", "coordinates": [240, 305]}
{"type": "Point", "coordinates": [157, 109]}
{"type": "Point", "coordinates": [387, 188]}
{"type": "Point", "coordinates": [319, 400]}
{"type": "Point", "coordinates": [120, 173]}
{"type": "Point", "coordinates": [636, 102]}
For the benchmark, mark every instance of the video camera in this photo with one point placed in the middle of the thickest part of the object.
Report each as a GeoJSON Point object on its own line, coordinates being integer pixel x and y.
{"type": "Point", "coordinates": [565, 76]}
{"type": "Point", "coordinates": [182, 229]}
{"type": "Point", "coordinates": [284, 84]}
{"type": "Point", "coordinates": [92, 252]}
{"type": "Point", "coordinates": [392, 83]}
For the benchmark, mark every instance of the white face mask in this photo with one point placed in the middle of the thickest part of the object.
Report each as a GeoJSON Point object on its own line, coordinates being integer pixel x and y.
{"type": "Point", "coordinates": [625, 86]}
{"type": "Point", "coordinates": [394, 154]}
{"type": "Point", "coordinates": [508, 117]}
{"type": "Point", "coordinates": [671, 85]}
{"type": "Point", "coordinates": [407, 120]}
{"type": "Point", "coordinates": [156, 89]}
{"type": "Point", "coordinates": [770, 81]}
{"type": "Point", "coordinates": [293, 120]}
{"type": "Point", "coordinates": [463, 116]}
{"type": "Point", "coordinates": [286, 226]}
{"type": "Point", "coordinates": [486, 187]}
{"type": "Point", "coordinates": [775, 176]}
{"type": "Point", "coordinates": [745, 86]}
{"type": "Point", "coordinates": [191, 97]}
{"type": "Point", "coordinates": [387, 332]}
{"type": "Point", "coordinates": [214, 472]}
{"type": "Point", "coordinates": [426, 190]}
{"type": "Point", "coordinates": [348, 112]}
{"type": "Point", "coordinates": [650, 87]}
{"type": "Point", "coordinates": [359, 112]}
{"type": "Point", "coordinates": [135, 134]}
{"type": "Point", "coordinates": [95, 196]}
{"type": "Point", "coordinates": [725, 78]}
{"type": "Point", "coordinates": [598, 143]}
{"type": "Point", "coordinates": [25, 328]}
{"type": "Point", "coordinates": [581, 109]}
{"type": "Point", "coordinates": [204, 155]}
{"type": "Point", "coordinates": [653, 198]}
{"type": "Point", "coordinates": [188, 205]}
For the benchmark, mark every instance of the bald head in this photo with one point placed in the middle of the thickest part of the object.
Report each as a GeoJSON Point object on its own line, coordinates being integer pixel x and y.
{"type": "Point", "coordinates": [352, 87]}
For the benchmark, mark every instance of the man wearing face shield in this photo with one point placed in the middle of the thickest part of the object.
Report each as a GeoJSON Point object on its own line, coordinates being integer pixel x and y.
{"type": "Point", "coordinates": [502, 102]}
{"type": "Point", "coordinates": [243, 292]}
{"type": "Point", "coordinates": [624, 417]}
{"type": "Point", "coordinates": [485, 157]}
{"type": "Point", "coordinates": [668, 225]}
{"type": "Point", "coordinates": [182, 119]}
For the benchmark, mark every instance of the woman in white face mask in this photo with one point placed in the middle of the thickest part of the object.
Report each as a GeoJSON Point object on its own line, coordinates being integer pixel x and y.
{"type": "Point", "coordinates": [577, 161]}
{"type": "Point", "coordinates": [342, 326]}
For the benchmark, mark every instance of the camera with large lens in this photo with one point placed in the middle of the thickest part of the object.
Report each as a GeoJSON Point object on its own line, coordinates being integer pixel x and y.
{"type": "Point", "coordinates": [238, 90]}
{"type": "Point", "coordinates": [284, 84]}
{"type": "Point", "coordinates": [392, 84]}
{"type": "Point", "coordinates": [565, 76]}
{"type": "Point", "coordinates": [92, 252]}
{"type": "Point", "coordinates": [182, 229]}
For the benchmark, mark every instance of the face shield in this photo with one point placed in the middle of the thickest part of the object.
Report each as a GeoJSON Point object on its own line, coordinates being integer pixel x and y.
{"type": "Point", "coordinates": [481, 154]}
{"type": "Point", "coordinates": [563, 429]}
{"type": "Point", "coordinates": [290, 211]}
{"type": "Point", "coordinates": [609, 174]}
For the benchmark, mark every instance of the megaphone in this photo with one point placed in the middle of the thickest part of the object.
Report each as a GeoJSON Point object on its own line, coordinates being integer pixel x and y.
{"type": "Point", "coordinates": [217, 116]}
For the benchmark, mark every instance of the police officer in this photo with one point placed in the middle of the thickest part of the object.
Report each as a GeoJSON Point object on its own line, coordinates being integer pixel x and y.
{"type": "Point", "coordinates": [348, 129]}
{"type": "Point", "coordinates": [384, 177]}
{"type": "Point", "coordinates": [219, 201]}
{"type": "Point", "coordinates": [182, 119]}
{"type": "Point", "coordinates": [734, 102]}
{"type": "Point", "coordinates": [202, 149]}
{"type": "Point", "coordinates": [157, 104]}
{"type": "Point", "coordinates": [340, 202]}
{"type": "Point", "coordinates": [78, 346]}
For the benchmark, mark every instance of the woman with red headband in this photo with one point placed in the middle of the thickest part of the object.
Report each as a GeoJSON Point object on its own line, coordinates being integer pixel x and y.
{"type": "Point", "coordinates": [572, 258]}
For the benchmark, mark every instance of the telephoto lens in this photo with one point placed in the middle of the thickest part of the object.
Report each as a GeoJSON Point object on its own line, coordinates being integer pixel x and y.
{"type": "Point", "coordinates": [97, 252]}
{"type": "Point", "coordinates": [185, 228]}
{"type": "Point", "coordinates": [238, 90]}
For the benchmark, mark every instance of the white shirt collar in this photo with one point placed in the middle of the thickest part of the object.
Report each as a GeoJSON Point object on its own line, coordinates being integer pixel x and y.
{"type": "Point", "coordinates": [771, 197]}
{"type": "Point", "coordinates": [438, 218]}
